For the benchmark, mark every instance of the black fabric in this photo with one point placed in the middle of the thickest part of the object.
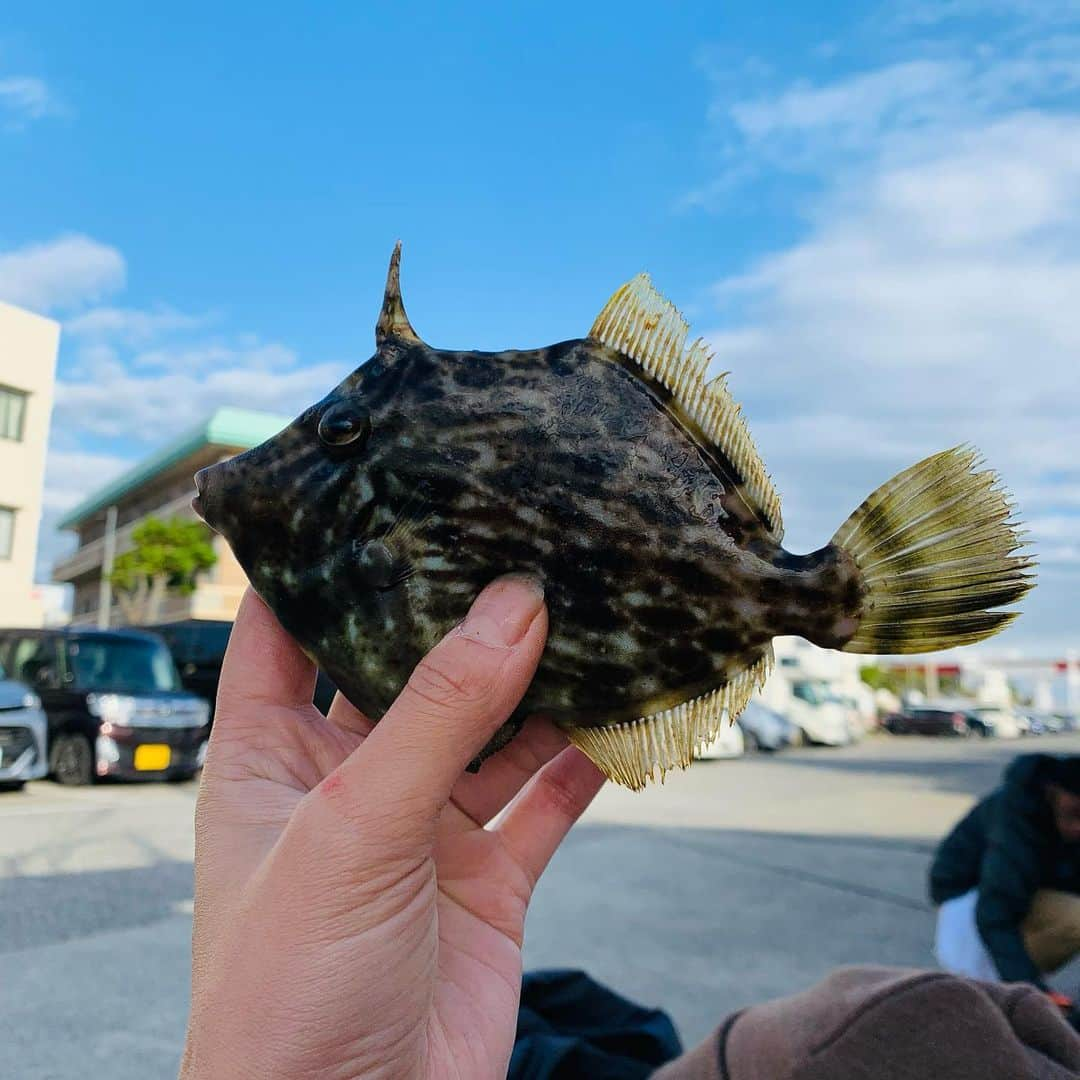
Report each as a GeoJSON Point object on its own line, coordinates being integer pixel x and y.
{"type": "Point", "coordinates": [1008, 848]}
{"type": "Point", "coordinates": [570, 1027]}
{"type": "Point", "coordinates": [1066, 773]}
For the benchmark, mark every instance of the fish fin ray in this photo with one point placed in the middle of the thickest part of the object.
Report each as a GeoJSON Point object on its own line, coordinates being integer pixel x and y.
{"type": "Point", "coordinates": [937, 547]}
{"type": "Point", "coordinates": [640, 323]}
{"type": "Point", "coordinates": [633, 752]}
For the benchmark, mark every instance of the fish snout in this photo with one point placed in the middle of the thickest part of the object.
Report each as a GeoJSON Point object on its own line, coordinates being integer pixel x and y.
{"type": "Point", "coordinates": [207, 487]}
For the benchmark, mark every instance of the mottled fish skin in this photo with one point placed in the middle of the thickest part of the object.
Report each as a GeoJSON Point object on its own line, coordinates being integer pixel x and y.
{"type": "Point", "coordinates": [566, 462]}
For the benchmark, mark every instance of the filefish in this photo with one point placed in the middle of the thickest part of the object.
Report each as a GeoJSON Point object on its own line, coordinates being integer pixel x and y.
{"type": "Point", "coordinates": [610, 468]}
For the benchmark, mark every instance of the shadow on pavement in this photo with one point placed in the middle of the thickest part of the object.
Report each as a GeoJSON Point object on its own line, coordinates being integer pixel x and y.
{"type": "Point", "coordinates": [975, 773]}
{"type": "Point", "coordinates": [702, 922]}
{"type": "Point", "coordinates": [46, 909]}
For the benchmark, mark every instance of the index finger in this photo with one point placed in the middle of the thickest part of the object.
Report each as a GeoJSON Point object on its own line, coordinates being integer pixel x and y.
{"type": "Point", "coordinates": [263, 665]}
{"type": "Point", "coordinates": [457, 697]}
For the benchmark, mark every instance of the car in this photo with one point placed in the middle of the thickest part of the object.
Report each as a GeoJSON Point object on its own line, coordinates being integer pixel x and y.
{"type": "Point", "coordinates": [113, 703]}
{"type": "Point", "coordinates": [727, 744]}
{"type": "Point", "coordinates": [198, 647]}
{"type": "Point", "coordinates": [820, 716]}
{"type": "Point", "coordinates": [23, 743]}
{"type": "Point", "coordinates": [998, 721]}
{"type": "Point", "coordinates": [928, 720]}
{"type": "Point", "coordinates": [1070, 721]}
{"type": "Point", "coordinates": [1043, 723]}
{"type": "Point", "coordinates": [766, 729]}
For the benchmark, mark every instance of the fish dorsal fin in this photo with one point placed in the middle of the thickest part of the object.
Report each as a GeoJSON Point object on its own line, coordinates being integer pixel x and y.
{"type": "Point", "coordinates": [643, 325]}
{"type": "Point", "coordinates": [631, 753]}
{"type": "Point", "coordinates": [393, 322]}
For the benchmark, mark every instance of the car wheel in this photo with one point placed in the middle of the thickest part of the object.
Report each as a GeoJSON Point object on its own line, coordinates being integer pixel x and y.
{"type": "Point", "coordinates": [12, 785]}
{"type": "Point", "coordinates": [71, 760]}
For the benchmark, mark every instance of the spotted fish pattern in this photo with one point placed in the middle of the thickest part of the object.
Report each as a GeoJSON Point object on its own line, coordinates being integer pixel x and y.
{"type": "Point", "coordinates": [371, 522]}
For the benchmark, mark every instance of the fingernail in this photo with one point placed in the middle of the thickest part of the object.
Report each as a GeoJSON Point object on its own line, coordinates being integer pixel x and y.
{"type": "Point", "coordinates": [504, 611]}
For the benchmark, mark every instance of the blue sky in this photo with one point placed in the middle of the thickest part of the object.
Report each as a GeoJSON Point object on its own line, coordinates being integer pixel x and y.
{"type": "Point", "coordinates": [872, 212]}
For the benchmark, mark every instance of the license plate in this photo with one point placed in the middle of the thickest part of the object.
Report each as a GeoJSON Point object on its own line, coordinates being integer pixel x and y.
{"type": "Point", "coordinates": [152, 757]}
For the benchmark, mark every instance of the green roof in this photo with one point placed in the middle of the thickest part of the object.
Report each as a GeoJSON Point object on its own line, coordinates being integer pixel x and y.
{"type": "Point", "coordinates": [241, 428]}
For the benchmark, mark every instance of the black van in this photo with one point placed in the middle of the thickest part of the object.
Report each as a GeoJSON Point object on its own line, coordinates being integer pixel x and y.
{"type": "Point", "coordinates": [198, 647]}
{"type": "Point", "coordinates": [114, 703]}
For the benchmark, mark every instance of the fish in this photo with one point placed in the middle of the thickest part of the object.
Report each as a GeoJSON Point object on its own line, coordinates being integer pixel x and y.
{"type": "Point", "coordinates": [615, 471]}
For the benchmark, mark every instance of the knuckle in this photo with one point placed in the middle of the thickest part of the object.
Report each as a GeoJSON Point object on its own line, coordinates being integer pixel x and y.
{"type": "Point", "coordinates": [560, 798]}
{"type": "Point", "coordinates": [445, 682]}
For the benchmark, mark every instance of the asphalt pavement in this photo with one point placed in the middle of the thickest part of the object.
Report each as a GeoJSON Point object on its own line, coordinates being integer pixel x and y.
{"type": "Point", "coordinates": [732, 883]}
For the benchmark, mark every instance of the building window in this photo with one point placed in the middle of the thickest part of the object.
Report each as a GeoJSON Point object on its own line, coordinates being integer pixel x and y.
{"type": "Point", "coordinates": [7, 531]}
{"type": "Point", "coordinates": [12, 413]}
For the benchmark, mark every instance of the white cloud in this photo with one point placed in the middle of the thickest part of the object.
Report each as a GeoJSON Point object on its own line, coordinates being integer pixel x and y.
{"type": "Point", "coordinates": [938, 299]}
{"type": "Point", "coordinates": [130, 326]}
{"type": "Point", "coordinates": [932, 300]}
{"type": "Point", "coordinates": [71, 474]}
{"type": "Point", "coordinates": [252, 356]}
{"type": "Point", "coordinates": [933, 12]}
{"type": "Point", "coordinates": [858, 105]}
{"type": "Point", "coordinates": [111, 400]}
{"type": "Point", "coordinates": [61, 273]}
{"type": "Point", "coordinates": [813, 127]}
{"type": "Point", "coordinates": [24, 97]}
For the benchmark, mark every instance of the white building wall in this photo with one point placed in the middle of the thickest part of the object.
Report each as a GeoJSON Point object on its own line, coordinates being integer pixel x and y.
{"type": "Point", "coordinates": [28, 346]}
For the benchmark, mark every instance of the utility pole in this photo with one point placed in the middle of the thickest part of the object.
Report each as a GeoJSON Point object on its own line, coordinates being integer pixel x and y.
{"type": "Point", "coordinates": [930, 669]}
{"type": "Point", "coordinates": [1072, 680]}
{"type": "Point", "coordinates": [105, 586]}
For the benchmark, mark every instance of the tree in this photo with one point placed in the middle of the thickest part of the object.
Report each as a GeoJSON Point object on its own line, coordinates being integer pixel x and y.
{"type": "Point", "coordinates": [165, 555]}
{"type": "Point", "coordinates": [879, 678]}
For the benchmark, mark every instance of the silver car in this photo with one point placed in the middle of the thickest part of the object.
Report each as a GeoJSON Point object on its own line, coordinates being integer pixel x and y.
{"type": "Point", "coordinates": [23, 753]}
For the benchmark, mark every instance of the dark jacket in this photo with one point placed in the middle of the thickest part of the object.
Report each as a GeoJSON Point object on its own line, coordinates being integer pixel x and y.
{"type": "Point", "coordinates": [1008, 848]}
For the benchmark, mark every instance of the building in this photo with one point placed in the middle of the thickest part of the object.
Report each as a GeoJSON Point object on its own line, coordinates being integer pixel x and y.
{"type": "Point", "coordinates": [28, 345]}
{"type": "Point", "coordinates": [161, 486]}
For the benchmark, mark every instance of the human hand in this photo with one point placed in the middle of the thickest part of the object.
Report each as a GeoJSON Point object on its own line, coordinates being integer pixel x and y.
{"type": "Point", "coordinates": [353, 914]}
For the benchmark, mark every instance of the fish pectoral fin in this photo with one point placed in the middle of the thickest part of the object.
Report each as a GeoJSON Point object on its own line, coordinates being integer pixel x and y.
{"type": "Point", "coordinates": [642, 324]}
{"type": "Point", "coordinates": [632, 752]}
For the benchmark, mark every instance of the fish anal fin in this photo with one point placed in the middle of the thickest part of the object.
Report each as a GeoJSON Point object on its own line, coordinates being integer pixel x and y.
{"type": "Point", "coordinates": [642, 324]}
{"type": "Point", "coordinates": [633, 752]}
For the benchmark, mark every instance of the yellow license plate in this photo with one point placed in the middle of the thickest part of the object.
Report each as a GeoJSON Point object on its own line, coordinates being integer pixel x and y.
{"type": "Point", "coordinates": [152, 757]}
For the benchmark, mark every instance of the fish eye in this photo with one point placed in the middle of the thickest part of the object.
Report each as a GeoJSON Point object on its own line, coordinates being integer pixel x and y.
{"type": "Point", "coordinates": [345, 423]}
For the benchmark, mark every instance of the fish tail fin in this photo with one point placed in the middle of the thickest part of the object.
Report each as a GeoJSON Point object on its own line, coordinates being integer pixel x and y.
{"type": "Point", "coordinates": [936, 548]}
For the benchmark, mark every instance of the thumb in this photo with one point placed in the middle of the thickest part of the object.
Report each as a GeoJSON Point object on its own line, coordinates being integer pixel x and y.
{"type": "Point", "coordinates": [454, 701]}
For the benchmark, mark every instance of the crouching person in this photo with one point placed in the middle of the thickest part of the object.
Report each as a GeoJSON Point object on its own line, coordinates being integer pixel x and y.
{"type": "Point", "coordinates": [1007, 878]}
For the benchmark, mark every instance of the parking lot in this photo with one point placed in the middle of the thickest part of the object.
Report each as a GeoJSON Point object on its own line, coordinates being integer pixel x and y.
{"type": "Point", "coordinates": [734, 882]}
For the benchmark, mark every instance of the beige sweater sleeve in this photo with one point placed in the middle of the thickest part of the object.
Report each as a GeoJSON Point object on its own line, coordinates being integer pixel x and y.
{"type": "Point", "coordinates": [858, 1024]}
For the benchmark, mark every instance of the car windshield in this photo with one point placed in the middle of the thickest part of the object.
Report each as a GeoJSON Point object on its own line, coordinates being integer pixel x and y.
{"type": "Point", "coordinates": [121, 666]}
{"type": "Point", "coordinates": [810, 692]}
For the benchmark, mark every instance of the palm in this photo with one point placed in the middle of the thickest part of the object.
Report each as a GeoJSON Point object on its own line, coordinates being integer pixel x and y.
{"type": "Point", "coordinates": [482, 890]}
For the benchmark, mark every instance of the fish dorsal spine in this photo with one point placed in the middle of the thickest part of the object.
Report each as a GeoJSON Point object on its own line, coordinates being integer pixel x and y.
{"type": "Point", "coordinates": [642, 324]}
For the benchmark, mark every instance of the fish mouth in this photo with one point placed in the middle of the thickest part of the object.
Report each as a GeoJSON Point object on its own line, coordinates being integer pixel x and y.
{"type": "Point", "coordinates": [202, 484]}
